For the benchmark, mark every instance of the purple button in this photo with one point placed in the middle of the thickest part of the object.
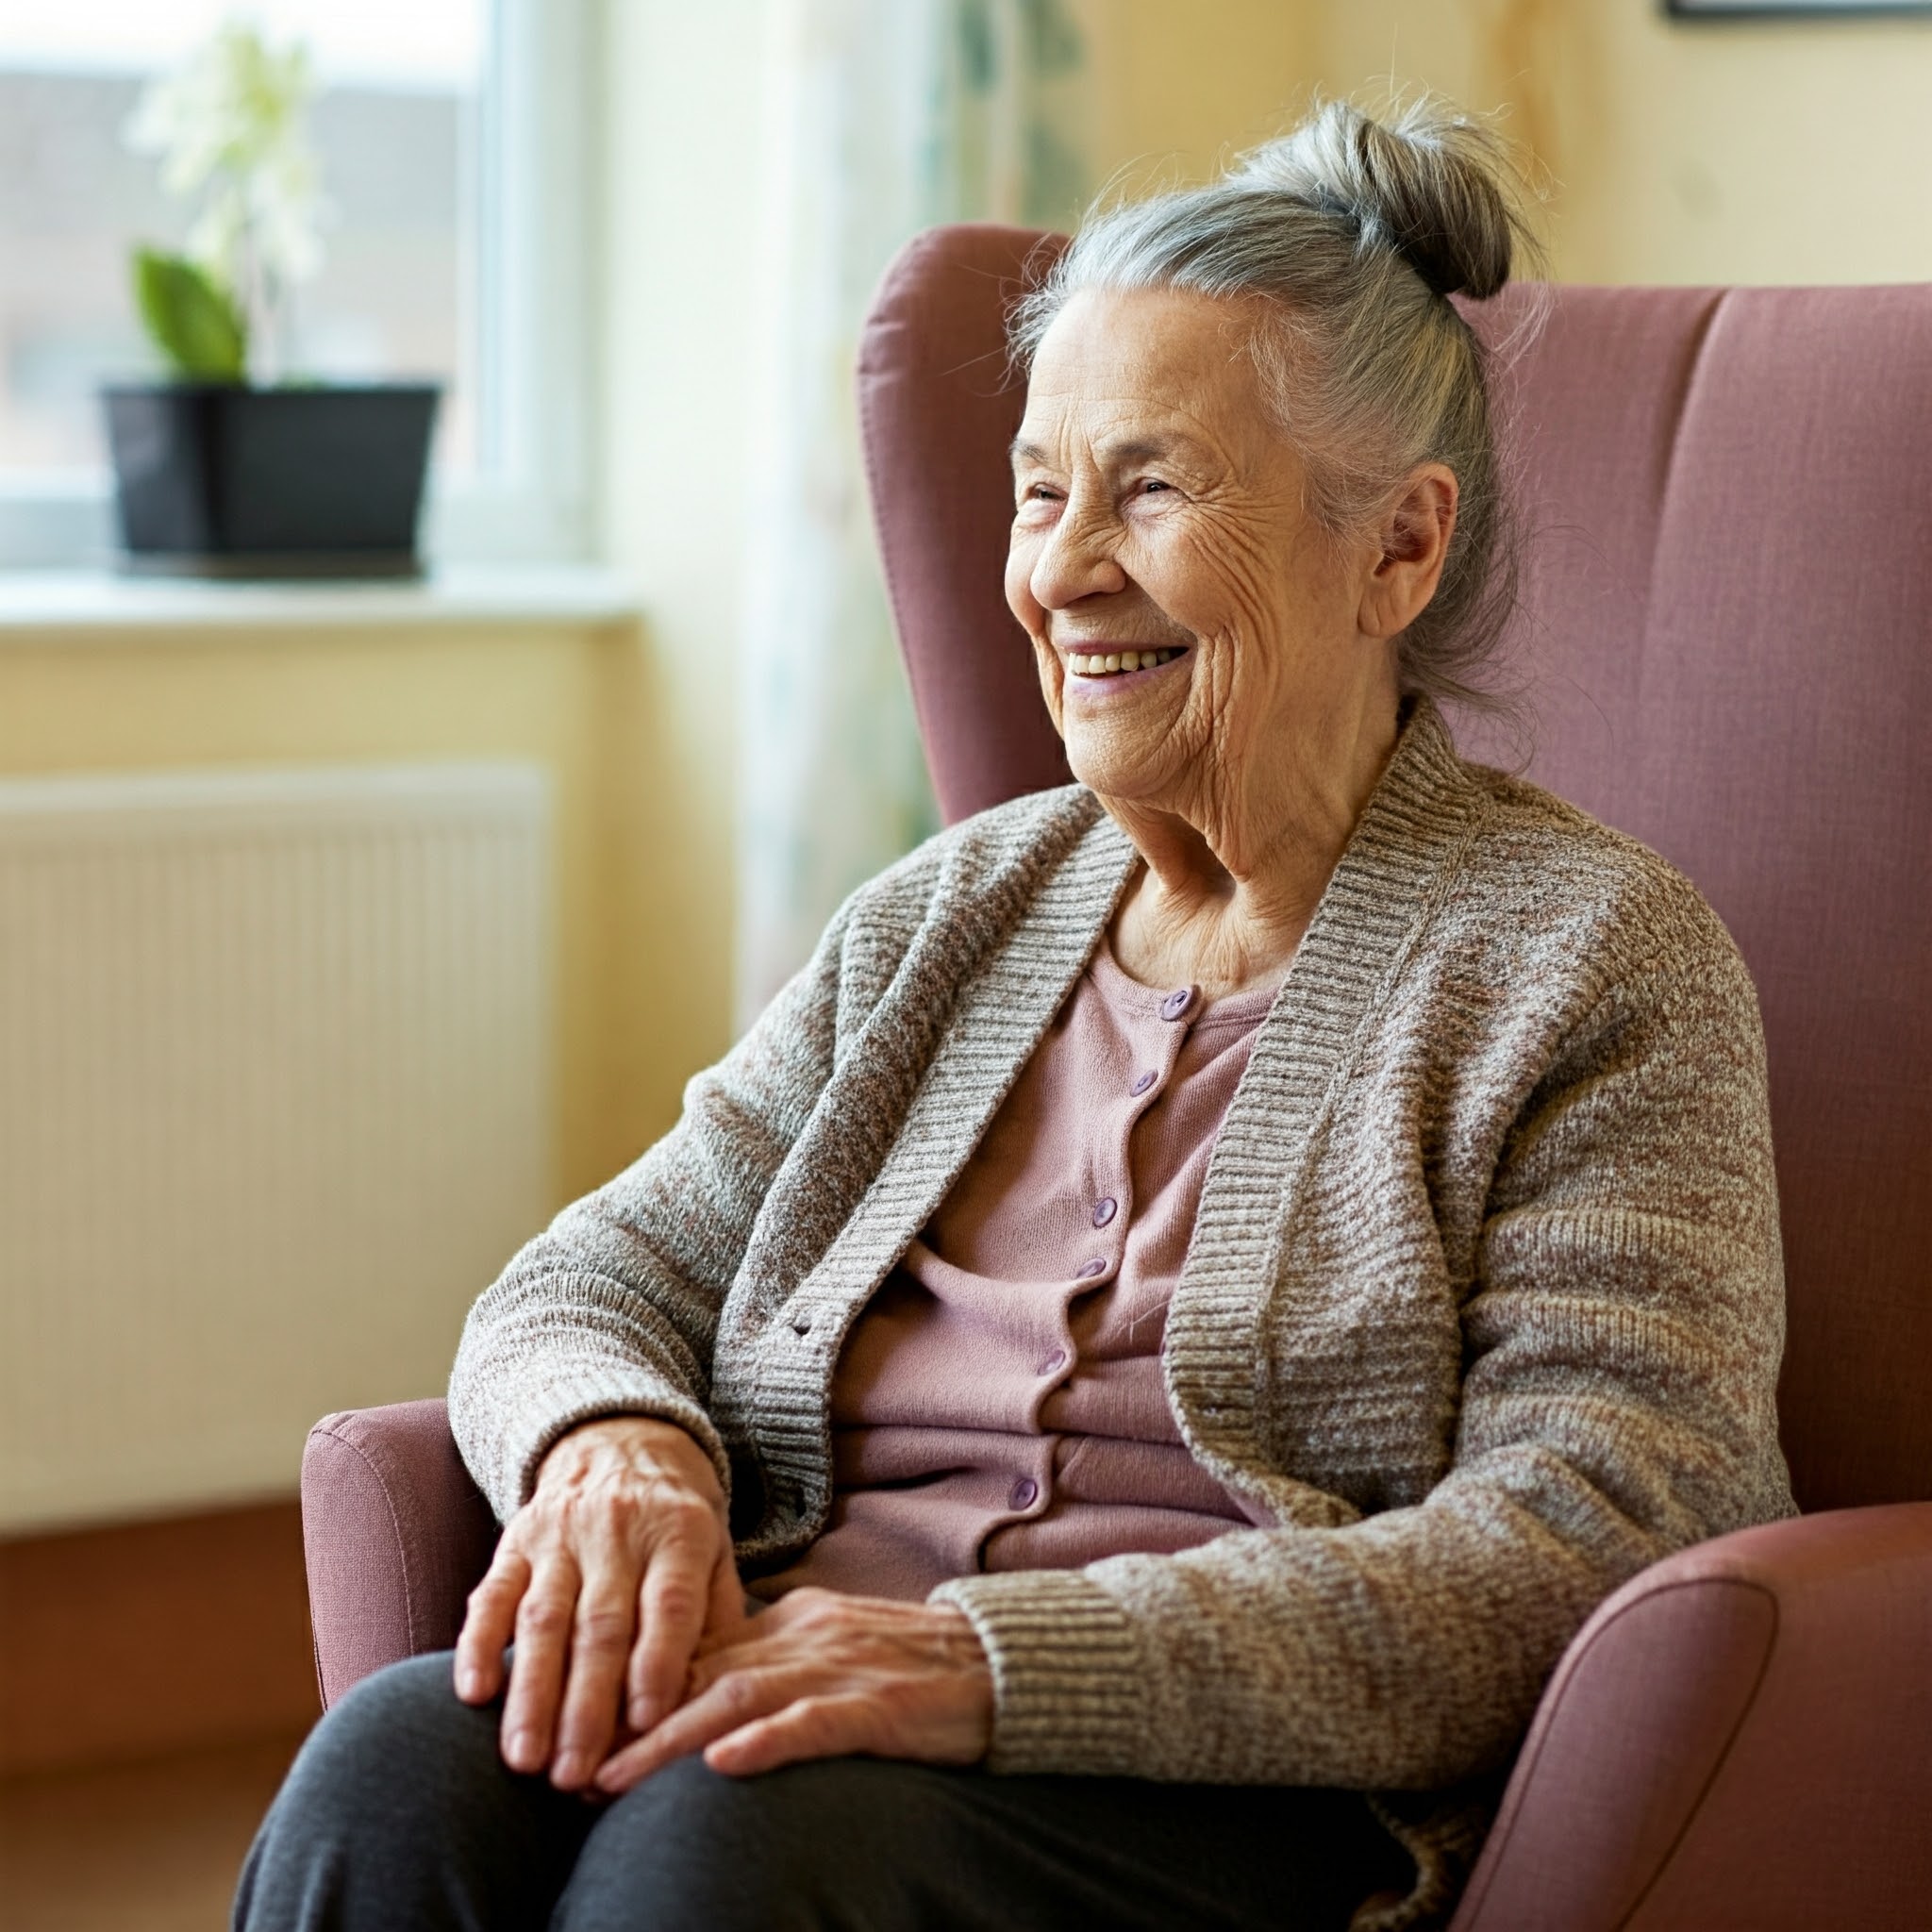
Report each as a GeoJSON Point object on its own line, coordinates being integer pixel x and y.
{"type": "Point", "coordinates": [1024, 1493]}
{"type": "Point", "coordinates": [1145, 1081]}
{"type": "Point", "coordinates": [1090, 1269]}
{"type": "Point", "coordinates": [1104, 1209]}
{"type": "Point", "coordinates": [1053, 1363]}
{"type": "Point", "coordinates": [1178, 1003]}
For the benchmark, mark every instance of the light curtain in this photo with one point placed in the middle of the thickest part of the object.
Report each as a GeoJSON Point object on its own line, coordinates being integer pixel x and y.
{"type": "Point", "coordinates": [883, 117]}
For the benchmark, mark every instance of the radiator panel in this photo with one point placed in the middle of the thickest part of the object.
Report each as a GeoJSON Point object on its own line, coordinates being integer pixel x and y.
{"type": "Point", "coordinates": [275, 1104]}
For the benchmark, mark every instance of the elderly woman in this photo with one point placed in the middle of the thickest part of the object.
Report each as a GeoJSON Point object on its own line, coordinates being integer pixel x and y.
{"type": "Point", "coordinates": [1179, 1312]}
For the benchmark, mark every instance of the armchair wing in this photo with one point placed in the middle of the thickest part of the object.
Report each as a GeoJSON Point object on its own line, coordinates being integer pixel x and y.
{"type": "Point", "coordinates": [395, 1535]}
{"type": "Point", "coordinates": [1740, 1736]}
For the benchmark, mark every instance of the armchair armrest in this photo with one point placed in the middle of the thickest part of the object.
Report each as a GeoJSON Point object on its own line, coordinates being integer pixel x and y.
{"type": "Point", "coordinates": [394, 1534]}
{"type": "Point", "coordinates": [1740, 1736]}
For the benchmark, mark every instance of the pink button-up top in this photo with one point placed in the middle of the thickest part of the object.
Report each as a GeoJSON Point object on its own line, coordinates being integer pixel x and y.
{"type": "Point", "coordinates": [999, 1404]}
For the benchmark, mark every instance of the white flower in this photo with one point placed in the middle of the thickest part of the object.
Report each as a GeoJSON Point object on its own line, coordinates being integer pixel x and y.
{"type": "Point", "coordinates": [230, 125]}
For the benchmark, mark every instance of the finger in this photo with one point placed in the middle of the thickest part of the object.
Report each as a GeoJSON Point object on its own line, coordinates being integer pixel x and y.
{"type": "Point", "coordinates": [594, 1675]}
{"type": "Point", "coordinates": [536, 1677]}
{"type": "Point", "coordinates": [488, 1622]}
{"type": "Point", "coordinates": [753, 1650]}
{"type": "Point", "coordinates": [676, 1597]}
{"type": "Point", "coordinates": [729, 1622]}
{"type": "Point", "coordinates": [810, 1728]}
{"type": "Point", "coordinates": [725, 1615]}
{"type": "Point", "coordinates": [756, 1623]}
{"type": "Point", "coordinates": [733, 1701]}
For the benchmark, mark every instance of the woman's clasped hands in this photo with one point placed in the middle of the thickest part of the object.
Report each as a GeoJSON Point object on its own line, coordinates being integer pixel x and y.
{"type": "Point", "coordinates": [633, 1645]}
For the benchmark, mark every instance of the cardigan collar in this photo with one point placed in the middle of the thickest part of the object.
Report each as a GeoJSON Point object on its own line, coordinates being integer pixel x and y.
{"type": "Point", "coordinates": [1381, 898]}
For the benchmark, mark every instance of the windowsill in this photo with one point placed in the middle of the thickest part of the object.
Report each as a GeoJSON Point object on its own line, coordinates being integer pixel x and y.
{"type": "Point", "coordinates": [100, 602]}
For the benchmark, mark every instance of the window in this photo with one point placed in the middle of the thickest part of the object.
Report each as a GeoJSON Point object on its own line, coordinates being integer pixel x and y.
{"type": "Point", "coordinates": [450, 135]}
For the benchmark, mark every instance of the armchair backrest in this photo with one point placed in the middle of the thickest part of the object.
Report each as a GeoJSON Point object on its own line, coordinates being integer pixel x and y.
{"type": "Point", "coordinates": [1728, 495]}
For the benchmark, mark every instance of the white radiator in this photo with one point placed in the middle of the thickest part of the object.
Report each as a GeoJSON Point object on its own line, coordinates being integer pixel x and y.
{"type": "Point", "coordinates": [275, 1105]}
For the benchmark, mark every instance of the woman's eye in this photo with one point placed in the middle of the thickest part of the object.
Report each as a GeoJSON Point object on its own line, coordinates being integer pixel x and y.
{"type": "Point", "coordinates": [1150, 484]}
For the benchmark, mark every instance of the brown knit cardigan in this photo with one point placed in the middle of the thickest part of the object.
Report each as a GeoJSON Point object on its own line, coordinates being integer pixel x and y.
{"type": "Point", "coordinates": [1484, 1302]}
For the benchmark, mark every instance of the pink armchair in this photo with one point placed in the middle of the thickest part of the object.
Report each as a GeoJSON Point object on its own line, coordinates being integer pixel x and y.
{"type": "Point", "coordinates": [1726, 616]}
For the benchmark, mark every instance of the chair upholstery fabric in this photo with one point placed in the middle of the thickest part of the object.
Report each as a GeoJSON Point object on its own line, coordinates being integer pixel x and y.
{"type": "Point", "coordinates": [1722, 621]}
{"type": "Point", "coordinates": [938, 405]}
{"type": "Point", "coordinates": [1761, 726]}
{"type": "Point", "coordinates": [1736, 1739]}
{"type": "Point", "coordinates": [395, 1535]}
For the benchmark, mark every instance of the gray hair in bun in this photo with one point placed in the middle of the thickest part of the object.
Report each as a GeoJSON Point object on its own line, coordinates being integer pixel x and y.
{"type": "Point", "coordinates": [1350, 234]}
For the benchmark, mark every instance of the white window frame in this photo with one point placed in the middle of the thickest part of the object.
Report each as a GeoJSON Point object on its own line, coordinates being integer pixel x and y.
{"type": "Point", "coordinates": [529, 498]}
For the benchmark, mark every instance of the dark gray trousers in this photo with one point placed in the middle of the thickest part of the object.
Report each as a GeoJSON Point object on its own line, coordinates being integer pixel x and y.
{"type": "Point", "coordinates": [400, 1814]}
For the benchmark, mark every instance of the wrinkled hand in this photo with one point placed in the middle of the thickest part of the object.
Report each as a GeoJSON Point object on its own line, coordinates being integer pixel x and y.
{"type": "Point", "coordinates": [607, 1578]}
{"type": "Point", "coordinates": [821, 1675]}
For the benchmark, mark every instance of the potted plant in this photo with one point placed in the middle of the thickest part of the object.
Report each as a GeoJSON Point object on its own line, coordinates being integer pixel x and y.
{"type": "Point", "coordinates": [228, 467]}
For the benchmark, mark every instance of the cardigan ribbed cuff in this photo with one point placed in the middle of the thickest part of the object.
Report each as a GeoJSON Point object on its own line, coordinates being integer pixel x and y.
{"type": "Point", "coordinates": [1065, 1672]}
{"type": "Point", "coordinates": [584, 1392]}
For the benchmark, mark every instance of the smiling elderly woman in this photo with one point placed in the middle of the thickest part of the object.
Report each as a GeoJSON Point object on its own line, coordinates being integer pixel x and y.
{"type": "Point", "coordinates": [1179, 1312]}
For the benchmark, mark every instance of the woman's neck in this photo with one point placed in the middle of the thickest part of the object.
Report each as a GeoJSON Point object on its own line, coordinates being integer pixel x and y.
{"type": "Point", "coordinates": [1234, 870]}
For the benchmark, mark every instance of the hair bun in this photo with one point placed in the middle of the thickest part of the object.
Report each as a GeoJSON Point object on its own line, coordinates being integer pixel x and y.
{"type": "Point", "coordinates": [1432, 184]}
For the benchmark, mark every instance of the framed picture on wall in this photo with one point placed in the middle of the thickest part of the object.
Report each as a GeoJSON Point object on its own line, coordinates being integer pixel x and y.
{"type": "Point", "coordinates": [1773, 9]}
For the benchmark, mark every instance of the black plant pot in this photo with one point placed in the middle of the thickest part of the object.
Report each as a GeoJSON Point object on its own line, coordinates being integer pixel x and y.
{"type": "Point", "coordinates": [218, 480]}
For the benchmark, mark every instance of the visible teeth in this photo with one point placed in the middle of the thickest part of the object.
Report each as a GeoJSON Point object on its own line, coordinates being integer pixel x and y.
{"type": "Point", "coordinates": [1091, 664]}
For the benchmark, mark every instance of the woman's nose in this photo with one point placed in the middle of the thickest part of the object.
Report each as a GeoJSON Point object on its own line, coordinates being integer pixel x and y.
{"type": "Point", "coordinates": [1077, 560]}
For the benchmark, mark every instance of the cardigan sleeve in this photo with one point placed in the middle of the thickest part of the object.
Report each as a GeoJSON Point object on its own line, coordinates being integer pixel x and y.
{"type": "Point", "coordinates": [614, 1308]}
{"type": "Point", "coordinates": [1621, 1347]}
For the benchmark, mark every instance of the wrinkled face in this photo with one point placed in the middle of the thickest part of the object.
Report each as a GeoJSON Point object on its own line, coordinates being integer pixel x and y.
{"type": "Point", "coordinates": [1183, 603]}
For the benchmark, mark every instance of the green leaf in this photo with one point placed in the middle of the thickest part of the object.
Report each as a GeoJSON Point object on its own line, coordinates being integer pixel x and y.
{"type": "Point", "coordinates": [193, 319]}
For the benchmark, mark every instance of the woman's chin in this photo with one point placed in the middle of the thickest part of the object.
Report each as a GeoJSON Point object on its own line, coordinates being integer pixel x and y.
{"type": "Point", "coordinates": [1123, 771]}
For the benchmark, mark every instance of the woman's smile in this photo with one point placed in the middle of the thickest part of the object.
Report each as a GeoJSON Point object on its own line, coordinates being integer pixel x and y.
{"type": "Point", "coordinates": [1117, 666]}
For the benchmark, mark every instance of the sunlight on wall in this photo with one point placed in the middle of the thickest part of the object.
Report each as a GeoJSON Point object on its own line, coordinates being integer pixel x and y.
{"type": "Point", "coordinates": [684, 151]}
{"type": "Point", "coordinates": [1794, 151]}
{"type": "Point", "coordinates": [1183, 88]}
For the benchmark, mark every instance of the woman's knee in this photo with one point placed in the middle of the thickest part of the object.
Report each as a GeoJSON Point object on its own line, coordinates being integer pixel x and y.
{"type": "Point", "coordinates": [399, 1737]}
{"type": "Point", "coordinates": [789, 1851]}
{"type": "Point", "coordinates": [399, 1811]}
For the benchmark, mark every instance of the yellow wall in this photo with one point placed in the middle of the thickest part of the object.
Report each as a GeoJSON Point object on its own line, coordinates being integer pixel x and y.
{"type": "Point", "coordinates": [1180, 89]}
{"type": "Point", "coordinates": [1794, 150]}
{"type": "Point", "coordinates": [566, 697]}
{"type": "Point", "coordinates": [680, 221]}
{"type": "Point", "coordinates": [1791, 151]}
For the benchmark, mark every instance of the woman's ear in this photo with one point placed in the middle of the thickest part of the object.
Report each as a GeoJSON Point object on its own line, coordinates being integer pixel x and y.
{"type": "Point", "coordinates": [1414, 535]}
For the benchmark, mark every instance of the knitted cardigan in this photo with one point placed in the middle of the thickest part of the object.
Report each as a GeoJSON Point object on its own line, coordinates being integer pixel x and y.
{"type": "Point", "coordinates": [1484, 1302]}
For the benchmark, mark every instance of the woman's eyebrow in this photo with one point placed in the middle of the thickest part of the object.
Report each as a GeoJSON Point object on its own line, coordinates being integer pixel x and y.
{"type": "Point", "coordinates": [1145, 449]}
{"type": "Point", "coordinates": [1140, 450]}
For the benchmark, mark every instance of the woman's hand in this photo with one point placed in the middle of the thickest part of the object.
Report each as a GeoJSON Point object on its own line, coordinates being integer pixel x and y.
{"type": "Point", "coordinates": [823, 1675]}
{"type": "Point", "coordinates": [607, 1578]}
